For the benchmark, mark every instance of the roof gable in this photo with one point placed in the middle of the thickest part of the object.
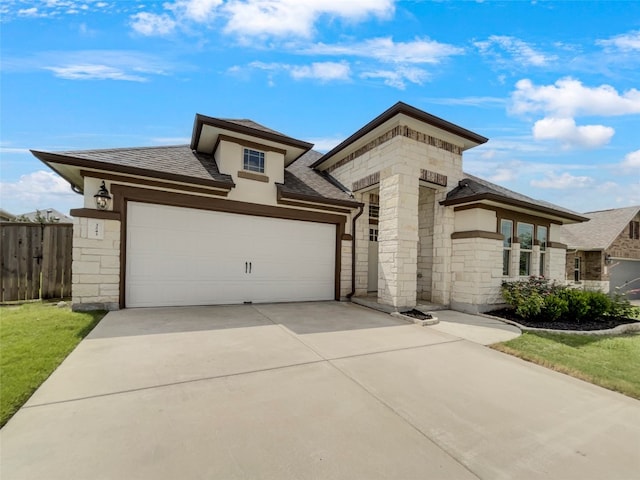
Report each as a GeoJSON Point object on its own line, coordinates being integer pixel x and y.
{"type": "Point", "coordinates": [208, 130]}
{"type": "Point", "coordinates": [600, 231]}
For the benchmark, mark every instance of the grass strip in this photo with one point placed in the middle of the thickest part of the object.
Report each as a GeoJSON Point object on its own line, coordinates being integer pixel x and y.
{"type": "Point", "coordinates": [611, 362]}
{"type": "Point", "coordinates": [34, 339]}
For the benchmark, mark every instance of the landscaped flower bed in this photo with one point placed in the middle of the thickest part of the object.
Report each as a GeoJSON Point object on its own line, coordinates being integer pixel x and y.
{"type": "Point", "coordinates": [539, 304]}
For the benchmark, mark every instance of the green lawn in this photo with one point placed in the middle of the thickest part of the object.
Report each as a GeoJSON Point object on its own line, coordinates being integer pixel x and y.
{"type": "Point", "coordinates": [34, 339]}
{"type": "Point", "coordinates": [612, 362]}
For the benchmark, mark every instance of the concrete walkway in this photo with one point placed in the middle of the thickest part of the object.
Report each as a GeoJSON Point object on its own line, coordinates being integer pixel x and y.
{"type": "Point", "coordinates": [475, 328]}
{"type": "Point", "coordinates": [317, 390]}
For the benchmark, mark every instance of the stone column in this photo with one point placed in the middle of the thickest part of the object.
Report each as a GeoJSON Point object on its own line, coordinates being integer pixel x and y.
{"type": "Point", "coordinates": [443, 227]}
{"type": "Point", "coordinates": [398, 236]}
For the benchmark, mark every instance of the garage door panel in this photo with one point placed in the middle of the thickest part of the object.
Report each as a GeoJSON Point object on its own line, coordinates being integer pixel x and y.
{"type": "Point", "coordinates": [178, 256]}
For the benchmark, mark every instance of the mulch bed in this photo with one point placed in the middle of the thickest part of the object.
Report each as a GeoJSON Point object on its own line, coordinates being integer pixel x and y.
{"type": "Point", "coordinates": [588, 325]}
{"type": "Point", "coordinates": [417, 314]}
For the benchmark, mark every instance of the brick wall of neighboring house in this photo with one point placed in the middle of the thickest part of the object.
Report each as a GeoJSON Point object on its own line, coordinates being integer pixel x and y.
{"type": "Point", "coordinates": [625, 247]}
{"type": "Point", "coordinates": [591, 266]}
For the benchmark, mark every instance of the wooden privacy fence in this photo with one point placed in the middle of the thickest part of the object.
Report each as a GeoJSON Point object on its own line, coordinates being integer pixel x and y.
{"type": "Point", "coordinates": [35, 261]}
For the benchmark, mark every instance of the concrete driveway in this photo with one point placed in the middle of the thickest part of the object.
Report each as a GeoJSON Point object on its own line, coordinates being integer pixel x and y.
{"type": "Point", "coordinates": [319, 390]}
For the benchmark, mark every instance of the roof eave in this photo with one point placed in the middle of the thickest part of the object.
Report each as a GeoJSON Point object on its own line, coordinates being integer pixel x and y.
{"type": "Point", "coordinates": [403, 108]}
{"type": "Point", "coordinates": [48, 158]}
{"type": "Point", "coordinates": [201, 120]}
{"type": "Point", "coordinates": [516, 203]}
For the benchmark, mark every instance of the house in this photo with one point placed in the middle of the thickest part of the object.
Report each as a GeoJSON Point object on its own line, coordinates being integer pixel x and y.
{"type": "Point", "coordinates": [47, 215]}
{"type": "Point", "coordinates": [604, 253]}
{"type": "Point", "coordinates": [247, 214]}
{"type": "Point", "coordinates": [6, 216]}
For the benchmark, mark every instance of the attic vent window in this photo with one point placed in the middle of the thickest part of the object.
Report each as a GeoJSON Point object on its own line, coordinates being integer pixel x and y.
{"type": "Point", "coordinates": [253, 161]}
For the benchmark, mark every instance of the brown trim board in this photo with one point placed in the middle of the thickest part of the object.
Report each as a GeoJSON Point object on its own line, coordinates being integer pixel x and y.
{"type": "Point", "coordinates": [477, 234]}
{"type": "Point", "coordinates": [258, 177]}
{"type": "Point", "coordinates": [92, 213]}
{"type": "Point", "coordinates": [152, 183]}
{"type": "Point", "coordinates": [124, 194]}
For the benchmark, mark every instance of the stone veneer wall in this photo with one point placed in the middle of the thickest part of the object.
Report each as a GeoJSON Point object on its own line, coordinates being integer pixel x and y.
{"type": "Point", "coordinates": [345, 273]}
{"type": "Point", "coordinates": [476, 266]}
{"type": "Point", "coordinates": [96, 264]}
{"type": "Point", "coordinates": [625, 247]}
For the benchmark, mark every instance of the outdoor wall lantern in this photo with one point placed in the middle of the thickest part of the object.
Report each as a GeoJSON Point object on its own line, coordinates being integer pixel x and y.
{"type": "Point", "coordinates": [607, 259]}
{"type": "Point", "coordinates": [102, 197]}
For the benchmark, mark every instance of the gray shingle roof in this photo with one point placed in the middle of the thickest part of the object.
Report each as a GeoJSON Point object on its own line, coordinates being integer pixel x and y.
{"type": "Point", "coordinates": [600, 231]}
{"type": "Point", "coordinates": [300, 178]}
{"type": "Point", "coordinates": [245, 122]}
{"type": "Point", "coordinates": [177, 160]}
{"type": "Point", "coordinates": [472, 187]}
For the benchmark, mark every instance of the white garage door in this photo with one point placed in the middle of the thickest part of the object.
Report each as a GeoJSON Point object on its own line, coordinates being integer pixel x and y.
{"type": "Point", "coordinates": [182, 256]}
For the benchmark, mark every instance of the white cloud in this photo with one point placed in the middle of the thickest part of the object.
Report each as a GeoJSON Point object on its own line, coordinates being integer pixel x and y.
{"type": "Point", "coordinates": [563, 181]}
{"type": "Point", "coordinates": [399, 77]}
{"type": "Point", "coordinates": [280, 18]}
{"type": "Point", "coordinates": [520, 51]}
{"type": "Point", "coordinates": [149, 24]}
{"type": "Point", "coordinates": [200, 11]}
{"type": "Point", "coordinates": [38, 190]}
{"type": "Point", "coordinates": [28, 12]}
{"type": "Point", "coordinates": [324, 144]}
{"type": "Point", "coordinates": [324, 71]}
{"type": "Point", "coordinates": [570, 135]}
{"type": "Point", "coordinates": [387, 50]}
{"type": "Point", "coordinates": [631, 162]}
{"type": "Point", "coordinates": [569, 97]}
{"type": "Point", "coordinates": [94, 72]}
{"type": "Point", "coordinates": [627, 41]}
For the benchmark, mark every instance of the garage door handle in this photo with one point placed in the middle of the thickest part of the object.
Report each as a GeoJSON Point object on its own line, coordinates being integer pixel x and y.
{"type": "Point", "coordinates": [249, 267]}
{"type": "Point", "coordinates": [246, 267]}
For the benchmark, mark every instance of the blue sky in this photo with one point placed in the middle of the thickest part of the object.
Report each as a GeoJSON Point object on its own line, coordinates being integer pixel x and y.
{"type": "Point", "coordinates": [554, 85]}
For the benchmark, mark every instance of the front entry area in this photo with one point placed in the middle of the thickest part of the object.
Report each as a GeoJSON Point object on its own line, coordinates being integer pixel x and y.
{"type": "Point", "coordinates": [181, 256]}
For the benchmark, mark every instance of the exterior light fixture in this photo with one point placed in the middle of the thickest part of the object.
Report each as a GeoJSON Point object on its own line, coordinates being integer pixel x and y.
{"type": "Point", "coordinates": [607, 259]}
{"type": "Point", "coordinates": [102, 197]}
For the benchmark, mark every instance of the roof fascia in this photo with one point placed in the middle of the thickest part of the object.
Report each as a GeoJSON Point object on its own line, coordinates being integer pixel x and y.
{"type": "Point", "coordinates": [516, 203]}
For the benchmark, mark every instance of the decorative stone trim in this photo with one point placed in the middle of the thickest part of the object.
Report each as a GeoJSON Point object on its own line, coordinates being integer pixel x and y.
{"type": "Point", "coordinates": [433, 177]}
{"type": "Point", "coordinates": [252, 176]}
{"type": "Point", "coordinates": [556, 245]}
{"type": "Point", "coordinates": [346, 236]}
{"type": "Point", "coordinates": [366, 182]}
{"type": "Point", "coordinates": [404, 131]}
{"type": "Point", "coordinates": [477, 234]}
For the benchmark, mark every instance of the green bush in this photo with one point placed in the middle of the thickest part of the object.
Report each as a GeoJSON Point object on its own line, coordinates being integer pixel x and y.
{"type": "Point", "coordinates": [535, 299]}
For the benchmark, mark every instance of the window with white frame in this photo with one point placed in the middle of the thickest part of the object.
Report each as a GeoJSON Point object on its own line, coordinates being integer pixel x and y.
{"type": "Point", "coordinates": [506, 228]}
{"type": "Point", "coordinates": [373, 234]}
{"type": "Point", "coordinates": [576, 269]}
{"type": "Point", "coordinates": [525, 237]}
{"type": "Point", "coordinates": [253, 160]}
{"type": "Point", "coordinates": [374, 212]}
{"type": "Point", "coordinates": [541, 236]}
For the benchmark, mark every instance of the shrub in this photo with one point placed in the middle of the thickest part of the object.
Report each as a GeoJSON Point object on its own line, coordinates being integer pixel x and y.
{"type": "Point", "coordinates": [535, 299]}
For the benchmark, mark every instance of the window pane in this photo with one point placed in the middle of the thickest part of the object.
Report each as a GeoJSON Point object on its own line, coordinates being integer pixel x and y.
{"type": "Point", "coordinates": [525, 235]}
{"type": "Point", "coordinates": [506, 256]}
{"type": "Point", "coordinates": [506, 228]}
{"type": "Point", "coordinates": [253, 160]}
{"type": "Point", "coordinates": [542, 238]}
{"type": "Point", "coordinates": [525, 263]}
{"type": "Point", "coordinates": [542, 273]}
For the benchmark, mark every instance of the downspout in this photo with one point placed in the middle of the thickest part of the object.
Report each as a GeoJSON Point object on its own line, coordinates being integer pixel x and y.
{"type": "Point", "coordinates": [353, 252]}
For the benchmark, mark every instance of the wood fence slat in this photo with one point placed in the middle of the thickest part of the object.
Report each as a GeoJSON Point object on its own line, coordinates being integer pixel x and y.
{"type": "Point", "coordinates": [26, 251]}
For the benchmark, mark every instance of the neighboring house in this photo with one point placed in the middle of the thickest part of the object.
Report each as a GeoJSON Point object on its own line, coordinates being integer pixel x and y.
{"type": "Point", "coordinates": [247, 214]}
{"type": "Point", "coordinates": [604, 253]}
{"type": "Point", "coordinates": [46, 215]}
{"type": "Point", "coordinates": [6, 216]}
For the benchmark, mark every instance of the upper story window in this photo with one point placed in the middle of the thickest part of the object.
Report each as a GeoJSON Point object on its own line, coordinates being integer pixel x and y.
{"type": "Point", "coordinates": [576, 269]}
{"type": "Point", "coordinates": [253, 160]}
{"type": "Point", "coordinates": [506, 228]}
{"type": "Point", "coordinates": [525, 237]}
{"type": "Point", "coordinates": [634, 230]}
{"type": "Point", "coordinates": [541, 236]}
{"type": "Point", "coordinates": [374, 212]}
